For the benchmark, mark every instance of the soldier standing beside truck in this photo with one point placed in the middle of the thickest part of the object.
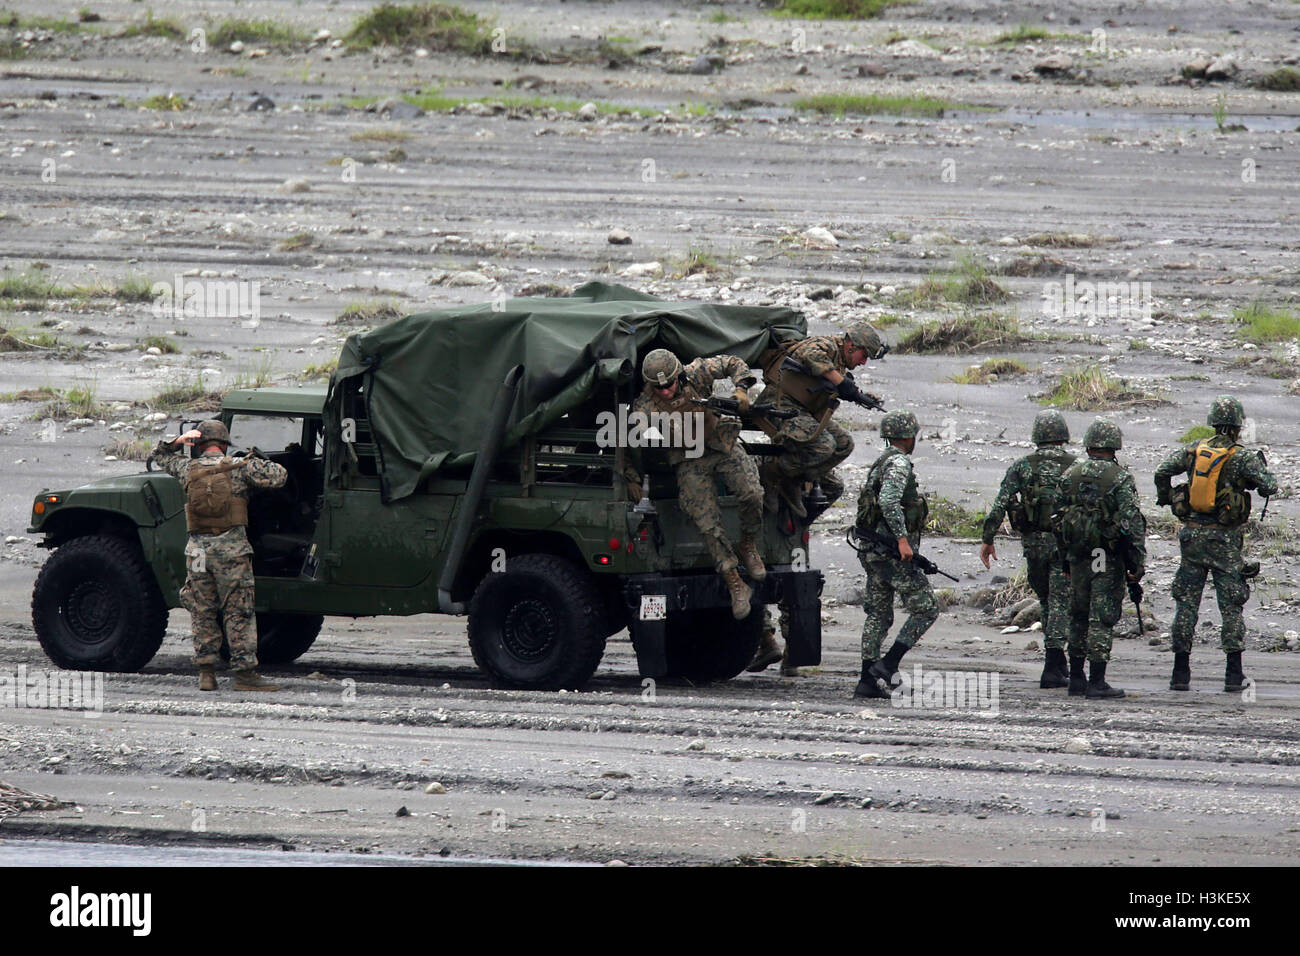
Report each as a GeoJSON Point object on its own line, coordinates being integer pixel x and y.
{"type": "Point", "coordinates": [673, 389]}
{"type": "Point", "coordinates": [1214, 505]}
{"type": "Point", "coordinates": [219, 581]}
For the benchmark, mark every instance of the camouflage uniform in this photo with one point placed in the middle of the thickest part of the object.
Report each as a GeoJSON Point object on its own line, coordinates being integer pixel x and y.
{"type": "Point", "coordinates": [811, 450]}
{"type": "Point", "coordinates": [903, 510]}
{"type": "Point", "coordinates": [1097, 582]}
{"type": "Point", "coordinates": [1046, 576]}
{"type": "Point", "coordinates": [1208, 547]}
{"type": "Point", "coordinates": [723, 457]}
{"type": "Point", "coordinates": [219, 569]}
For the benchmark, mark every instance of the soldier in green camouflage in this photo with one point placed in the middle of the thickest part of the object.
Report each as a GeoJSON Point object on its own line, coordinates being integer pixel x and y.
{"type": "Point", "coordinates": [1028, 497]}
{"type": "Point", "coordinates": [1101, 533]}
{"type": "Point", "coordinates": [813, 444]}
{"type": "Point", "coordinates": [891, 504]}
{"type": "Point", "coordinates": [1211, 541]}
{"type": "Point", "coordinates": [670, 388]}
{"type": "Point", "coordinates": [219, 581]}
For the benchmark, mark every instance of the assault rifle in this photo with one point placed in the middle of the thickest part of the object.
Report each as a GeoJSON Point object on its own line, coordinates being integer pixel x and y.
{"type": "Point", "coordinates": [847, 389]}
{"type": "Point", "coordinates": [882, 544]}
{"type": "Point", "coordinates": [729, 406]}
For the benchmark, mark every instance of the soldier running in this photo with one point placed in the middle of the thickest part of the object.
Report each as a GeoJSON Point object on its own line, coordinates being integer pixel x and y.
{"type": "Point", "coordinates": [1214, 506]}
{"type": "Point", "coordinates": [1028, 497]}
{"type": "Point", "coordinates": [670, 388]}
{"type": "Point", "coordinates": [219, 580]}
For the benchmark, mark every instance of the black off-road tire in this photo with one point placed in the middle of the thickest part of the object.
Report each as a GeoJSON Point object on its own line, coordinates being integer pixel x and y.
{"type": "Point", "coordinates": [710, 644]}
{"type": "Point", "coordinates": [283, 638]}
{"type": "Point", "coordinates": [97, 607]}
{"type": "Point", "coordinates": [538, 625]}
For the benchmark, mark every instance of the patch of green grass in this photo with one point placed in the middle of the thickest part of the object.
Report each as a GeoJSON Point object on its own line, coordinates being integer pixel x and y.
{"type": "Point", "coordinates": [369, 312]}
{"type": "Point", "coordinates": [1090, 389]}
{"type": "Point", "coordinates": [42, 394]}
{"type": "Point", "coordinates": [265, 32]}
{"type": "Point", "coordinates": [968, 283]}
{"type": "Point", "coordinates": [1061, 240]}
{"type": "Point", "coordinates": [11, 49]}
{"type": "Point", "coordinates": [441, 27]}
{"type": "Point", "coordinates": [1138, 345]}
{"type": "Point", "coordinates": [1276, 365]}
{"type": "Point", "coordinates": [697, 259]}
{"type": "Point", "coordinates": [385, 135]}
{"type": "Point", "coordinates": [870, 104]}
{"type": "Point", "coordinates": [172, 102]}
{"type": "Point", "coordinates": [51, 24]}
{"type": "Point", "coordinates": [722, 16]}
{"type": "Point", "coordinates": [297, 242]}
{"type": "Point", "coordinates": [1024, 33]}
{"type": "Point", "coordinates": [990, 370]}
{"type": "Point", "coordinates": [130, 449]}
{"type": "Point", "coordinates": [192, 396]}
{"type": "Point", "coordinates": [950, 520]}
{"type": "Point", "coordinates": [835, 9]}
{"type": "Point", "coordinates": [259, 375]}
{"type": "Point", "coordinates": [435, 101]}
{"type": "Point", "coordinates": [887, 320]}
{"type": "Point", "coordinates": [133, 288]}
{"type": "Point", "coordinates": [21, 340]}
{"type": "Point", "coordinates": [160, 342]}
{"type": "Point", "coordinates": [1263, 323]}
{"type": "Point", "coordinates": [80, 401]}
{"type": "Point", "coordinates": [153, 26]}
{"type": "Point", "coordinates": [1196, 433]}
{"type": "Point", "coordinates": [1285, 80]}
{"type": "Point", "coordinates": [29, 287]}
{"type": "Point", "coordinates": [319, 373]}
{"type": "Point", "coordinates": [963, 334]}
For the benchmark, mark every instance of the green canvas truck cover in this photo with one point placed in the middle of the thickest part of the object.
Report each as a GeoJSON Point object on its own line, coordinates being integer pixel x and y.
{"type": "Point", "coordinates": [429, 379]}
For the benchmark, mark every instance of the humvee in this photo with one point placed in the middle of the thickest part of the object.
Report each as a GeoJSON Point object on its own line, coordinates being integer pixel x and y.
{"type": "Point", "coordinates": [451, 466]}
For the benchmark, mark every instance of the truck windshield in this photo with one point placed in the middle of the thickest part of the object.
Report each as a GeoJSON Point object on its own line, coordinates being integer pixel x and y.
{"type": "Point", "coordinates": [268, 432]}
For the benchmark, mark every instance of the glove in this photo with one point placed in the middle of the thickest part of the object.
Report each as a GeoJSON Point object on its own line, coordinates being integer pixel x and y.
{"type": "Point", "coordinates": [742, 399]}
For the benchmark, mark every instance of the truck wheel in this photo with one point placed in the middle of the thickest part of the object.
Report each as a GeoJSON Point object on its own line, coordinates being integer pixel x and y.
{"type": "Point", "coordinates": [537, 625]}
{"type": "Point", "coordinates": [710, 644]}
{"type": "Point", "coordinates": [283, 638]}
{"type": "Point", "coordinates": [97, 607]}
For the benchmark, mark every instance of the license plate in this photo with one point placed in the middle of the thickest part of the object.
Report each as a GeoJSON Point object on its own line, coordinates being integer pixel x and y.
{"type": "Point", "coordinates": [654, 607]}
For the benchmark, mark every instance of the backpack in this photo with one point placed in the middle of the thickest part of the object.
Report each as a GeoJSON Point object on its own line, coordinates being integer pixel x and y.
{"type": "Point", "coordinates": [1085, 520]}
{"type": "Point", "coordinates": [1207, 494]}
{"type": "Point", "coordinates": [1034, 507]}
{"type": "Point", "coordinates": [211, 505]}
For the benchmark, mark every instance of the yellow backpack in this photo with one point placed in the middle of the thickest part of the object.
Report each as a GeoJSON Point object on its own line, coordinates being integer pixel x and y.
{"type": "Point", "coordinates": [1207, 467]}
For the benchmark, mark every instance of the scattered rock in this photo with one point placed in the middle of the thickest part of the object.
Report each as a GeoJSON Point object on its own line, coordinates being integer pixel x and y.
{"type": "Point", "coordinates": [702, 65]}
{"type": "Point", "coordinates": [587, 113]}
{"type": "Point", "coordinates": [825, 292]}
{"type": "Point", "coordinates": [400, 109]}
{"type": "Point", "coordinates": [403, 812]}
{"type": "Point", "coordinates": [1053, 65]}
{"type": "Point", "coordinates": [1012, 629]}
{"type": "Point", "coordinates": [77, 423]}
{"type": "Point", "coordinates": [642, 269]}
{"type": "Point", "coordinates": [826, 796]}
{"type": "Point", "coordinates": [914, 48]}
{"type": "Point", "coordinates": [1078, 745]}
{"type": "Point", "coordinates": [870, 69]}
{"type": "Point", "coordinates": [619, 237]}
{"type": "Point", "coordinates": [1196, 68]}
{"type": "Point", "coordinates": [467, 278]}
{"type": "Point", "coordinates": [1031, 646]}
{"type": "Point", "coordinates": [820, 238]}
{"type": "Point", "coordinates": [1224, 68]}
{"type": "Point", "coordinates": [696, 744]}
{"type": "Point", "coordinates": [261, 103]}
{"type": "Point", "coordinates": [295, 186]}
{"type": "Point", "coordinates": [435, 787]}
{"type": "Point", "coordinates": [615, 863]}
{"type": "Point", "coordinates": [236, 47]}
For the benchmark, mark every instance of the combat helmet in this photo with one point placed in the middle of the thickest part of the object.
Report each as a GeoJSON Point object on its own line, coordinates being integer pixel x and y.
{"type": "Point", "coordinates": [1103, 433]}
{"type": "Point", "coordinates": [865, 337]}
{"type": "Point", "coordinates": [1226, 410]}
{"type": "Point", "coordinates": [212, 431]}
{"type": "Point", "coordinates": [899, 423]}
{"type": "Point", "coordinates": [661, 368]}
{"type": "Point", "coordinates": [1049, 425]}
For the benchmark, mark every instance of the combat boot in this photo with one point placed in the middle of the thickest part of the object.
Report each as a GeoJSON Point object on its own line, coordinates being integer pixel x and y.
{"type": "Point", "coordinates": [1098, 689]}
{"type": "Point", "coordinates": [252, 680]}
{"type": "Point", "coordinates": [867, 686]}
{"type": "Point", "coordinates": [768, 653]}
{"type": "Point", "coordinates": [1233, 678]}
{"type": "Point", "coordinates": [884, 669]}
{"type": "Point", "coordinates": [1078, 681]}
{"type": "Point", "coordinates": [786, 669]}
{"type": "Point", "coordinates": [1055, 670]}
{"type": "Point", "coordinates": [752, 559]}
{"type": "Point", "coordinates": [207, 677]}
{"type": "Point", "coordinates": [1181, 679]}
{"type": "Point", "coordinates": [740, 594]}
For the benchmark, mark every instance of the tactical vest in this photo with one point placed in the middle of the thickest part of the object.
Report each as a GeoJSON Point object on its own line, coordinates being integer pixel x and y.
{"type": "Point", "coordinates": [211, 505]}
{"type": "Point", "coordinates": [1085, 519]}
{"type": "Point", "coordinates": [915, 508]}
{"type": "Point", "coordinates": [811, 391]}
{"type": "Point", "coordinates": [1032, 512]}
{"type": "Point", "coordinates": [680, 403]}
{"type": "Point", "coordinates": [1210, 496]}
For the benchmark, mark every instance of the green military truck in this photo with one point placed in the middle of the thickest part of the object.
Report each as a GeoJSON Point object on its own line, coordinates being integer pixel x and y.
{"type": "Point", "coordinates": [454, 466]}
